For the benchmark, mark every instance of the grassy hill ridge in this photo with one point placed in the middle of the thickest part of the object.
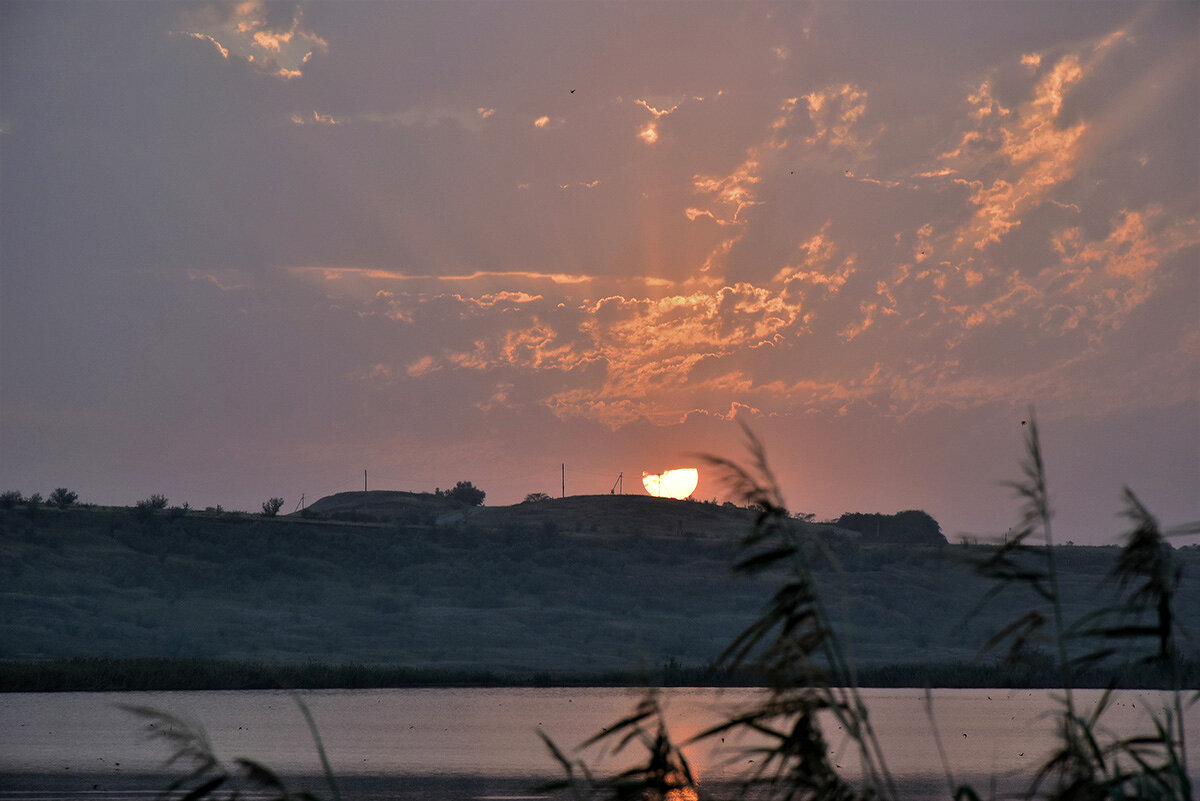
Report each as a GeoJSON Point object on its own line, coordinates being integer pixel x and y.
{"type": "Point", "coordinates": [597, 514]}
{"type": "Point", "coordinates": [582, 584]}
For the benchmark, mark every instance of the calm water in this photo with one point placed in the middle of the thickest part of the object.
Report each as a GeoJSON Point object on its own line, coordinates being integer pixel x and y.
{"type": "Point", "coordinates": [482, 743]}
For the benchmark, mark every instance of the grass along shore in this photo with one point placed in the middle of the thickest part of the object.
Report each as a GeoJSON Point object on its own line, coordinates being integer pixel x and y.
{"type": "Point", "coordinates": [101, 674]}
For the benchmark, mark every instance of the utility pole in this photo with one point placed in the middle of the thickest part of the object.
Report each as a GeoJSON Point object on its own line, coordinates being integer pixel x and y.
{"type": "Point", "coordinates": [364, 480]}
{"type": "Point", "coordinates": [564, 479]}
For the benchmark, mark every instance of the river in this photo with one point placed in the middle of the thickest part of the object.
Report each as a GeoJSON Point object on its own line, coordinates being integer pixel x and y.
{"type": "Point", "coordinates": [464, 744]}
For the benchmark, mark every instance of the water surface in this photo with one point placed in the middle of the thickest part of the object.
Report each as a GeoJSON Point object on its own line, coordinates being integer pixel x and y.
{"type": "Point", "coordinates": [480, 743]}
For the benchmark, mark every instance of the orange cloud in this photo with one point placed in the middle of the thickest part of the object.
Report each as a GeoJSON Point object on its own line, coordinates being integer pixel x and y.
{"type": "Point", "coordinates": [243, 30]}
{"type": "Point", "coordinates": [657, 112]}
{"type": "Point", "coordinates": [906, 321]}
{"type": "Point", "coordinates": [648, 133]}
{"type": "Point", "coordinates": [1104, 280]}
{"type": "Point", "coordinates": [835, 113]}
{"type": "Point", "coordinates": [222, 49]}
{"type": "Point", "coordinates": [814, 268]}
{"type": "Point", "coordinates": [338, 273]}
{"type": "Point", "coordinates": [644, 348]}
{"type": "Point", "coordinates": [1011, 160]}
{"type": "Point", "coordinates": [316, 119]}
{"type": "Point", "coordinates": [985, 104]}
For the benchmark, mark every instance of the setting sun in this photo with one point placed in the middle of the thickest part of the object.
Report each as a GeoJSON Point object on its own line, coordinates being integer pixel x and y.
{"type": "Point", "coordinates": [678, 484]}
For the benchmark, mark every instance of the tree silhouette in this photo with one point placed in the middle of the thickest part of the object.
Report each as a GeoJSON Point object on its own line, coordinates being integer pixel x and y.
{"type": "Point", "coordinates": [63, 497]}
{"type": "Point", "coordinates": [466, 493]}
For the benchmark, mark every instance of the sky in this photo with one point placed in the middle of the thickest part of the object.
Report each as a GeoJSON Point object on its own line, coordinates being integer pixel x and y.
{"type": "Point", "coordinates": [254, 249]}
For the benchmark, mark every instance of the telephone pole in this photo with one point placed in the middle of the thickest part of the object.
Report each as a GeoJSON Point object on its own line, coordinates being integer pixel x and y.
{"type": "Point", "coordinates": [564, 479]}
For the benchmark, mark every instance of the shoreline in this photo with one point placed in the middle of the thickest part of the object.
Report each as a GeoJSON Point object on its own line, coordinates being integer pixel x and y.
{"type": "Point", "coordinates": [134, 674]}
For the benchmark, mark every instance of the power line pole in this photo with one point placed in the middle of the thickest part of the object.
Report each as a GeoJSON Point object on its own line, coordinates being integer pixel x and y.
{"type": "Point", "coordinates": [564, 479]}
{"type": "Point", "coordinates": [364, 480]}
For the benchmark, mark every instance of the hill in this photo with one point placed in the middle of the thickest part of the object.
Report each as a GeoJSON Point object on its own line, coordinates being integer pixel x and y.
{"type": "Point", "coordinates": [579, 584]}
{"type": "Point", "coordinates": [592, 514]}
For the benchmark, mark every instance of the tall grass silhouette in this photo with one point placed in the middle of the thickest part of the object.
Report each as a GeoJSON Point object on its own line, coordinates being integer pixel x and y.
{"type": "Point", "coordinates": [210, 777]}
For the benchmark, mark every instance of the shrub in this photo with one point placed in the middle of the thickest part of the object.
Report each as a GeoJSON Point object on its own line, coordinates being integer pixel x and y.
{"type": "Point", "coordinates": [63, 497]}
{"type": "Point", "coordinates": [466, 493]}
{"type": "Point", "coordinates": [146, 508]}
{"type": "Point", "coordinates": [271, 507]}
{"type": "Point", "coordinates": [10, 499]}
{"type": "Point", "coordinates": [156, 502]}
{"type": "Point", "coordinates": [912, 527]}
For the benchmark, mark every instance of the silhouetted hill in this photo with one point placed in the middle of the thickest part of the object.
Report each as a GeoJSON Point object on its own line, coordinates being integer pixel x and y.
{"type": "Point", "coordinates": [575, 584]}
{"type": "Point", "coordinates": [581, 514]}
{"type": "Point", "coordinates": [380, 504]}
{"type": "Point", "coordinates": [606, 515]}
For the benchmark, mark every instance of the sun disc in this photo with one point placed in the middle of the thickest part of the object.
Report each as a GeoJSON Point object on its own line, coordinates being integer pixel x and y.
{"type": "Point", "coordinates": [679, 483]}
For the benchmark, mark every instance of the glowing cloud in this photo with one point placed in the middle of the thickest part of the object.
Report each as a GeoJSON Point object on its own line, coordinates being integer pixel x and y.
{"type": "Point", "coordinates": [317, 118]}
{"type": "Point", "coordinates": [657, 112]}
{"type": "Point", "coordinates": [1035, 150]}
{"type": "Point", "coordinates": [243, 30]}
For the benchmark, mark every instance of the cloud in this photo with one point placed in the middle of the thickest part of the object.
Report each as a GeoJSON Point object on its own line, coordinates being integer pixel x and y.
{"type": "Point", "coordinates": [243, 31]}
{"type": "Point", "coordinates": [379, 374]}
{"type": "Point", "coordinates": [943, 308]}
{"type": "Point", "coordinates": [225, 280]}
{"type": "Point", "coordinates": [421, 366]}
{"type": "Point", "coordinates": [337, 273]}
{"type": "Point", "coordinates": [641, 347]}
{"type": "Point", "coordinates": [316, 118]}
{"type": "Point", "coordinates": [1010, 160]}
{"type": "Point", "coordinates": [427, 117]}
{"type": "Point", "coordinates": [657, 112]}
{"type": "Point", "coordinates": [814, 267]}
{"type": "Point", "coordinates": [649, 132]}
{"type": "Point", "coordinates": [204, 37]}
{"type": "Point", "coordinates": [836, 114]}
{"type": "Point", "coordinates": [1099, 282]}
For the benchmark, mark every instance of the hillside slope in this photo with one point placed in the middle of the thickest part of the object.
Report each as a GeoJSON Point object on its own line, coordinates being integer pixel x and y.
{"type": "Point", "coordinates": [592, 514]}
{"type": "Point", "coordinates": [599, 584]}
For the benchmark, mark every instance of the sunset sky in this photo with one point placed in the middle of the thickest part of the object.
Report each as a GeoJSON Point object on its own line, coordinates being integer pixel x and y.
{"type": "Point", "coordinates": [250, 250]}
